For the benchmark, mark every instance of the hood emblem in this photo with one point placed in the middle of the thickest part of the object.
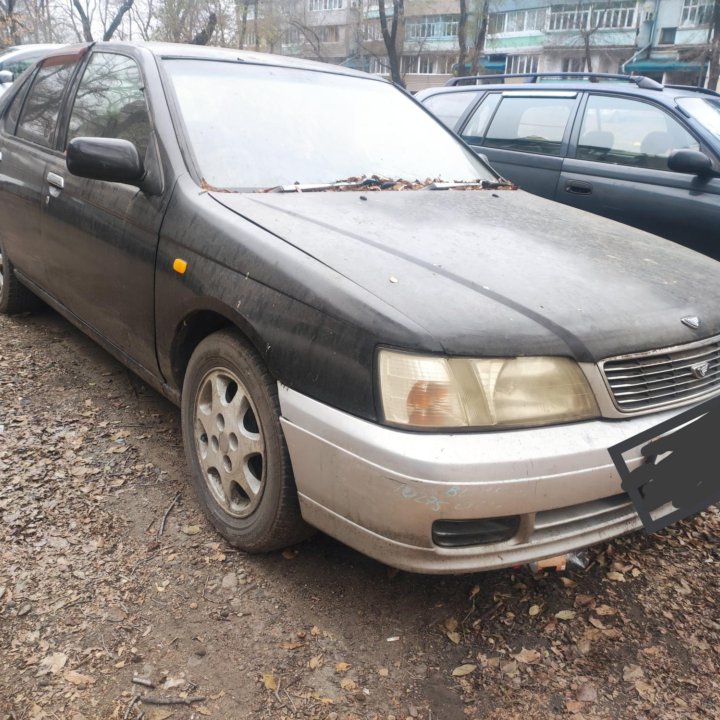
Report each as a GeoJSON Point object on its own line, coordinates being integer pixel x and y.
{"type": "Point", "coordinates": [700, 370]}
{"type": "Point", "coordinates": [691, 321]}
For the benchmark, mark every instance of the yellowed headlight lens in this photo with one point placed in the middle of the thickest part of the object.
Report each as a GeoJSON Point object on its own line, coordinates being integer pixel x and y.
{"type": "Point", "coordinates": [426, 391]}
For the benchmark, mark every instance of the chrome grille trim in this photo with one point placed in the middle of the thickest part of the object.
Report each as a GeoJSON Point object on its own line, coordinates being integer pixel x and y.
{"type": "Point", "coordinates": [662, 378]}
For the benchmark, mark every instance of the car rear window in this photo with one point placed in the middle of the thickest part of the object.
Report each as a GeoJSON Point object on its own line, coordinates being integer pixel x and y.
{"type": "Point", "coordinates": [530, 124]}
{"type": "Point", "coordinates": [448, 107]}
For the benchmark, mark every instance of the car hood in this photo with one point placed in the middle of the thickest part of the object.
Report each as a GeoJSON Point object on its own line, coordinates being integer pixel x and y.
{"type": "Point", "coordinates": [501, 272]}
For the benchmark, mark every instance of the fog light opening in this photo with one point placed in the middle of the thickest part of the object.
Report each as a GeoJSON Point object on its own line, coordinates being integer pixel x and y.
{"type": "Point", "coordinates": [465, 533]}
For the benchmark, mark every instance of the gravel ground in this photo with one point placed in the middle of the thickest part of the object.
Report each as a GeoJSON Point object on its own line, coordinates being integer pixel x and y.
{"type": "Point", "coordinates": [118, 600]}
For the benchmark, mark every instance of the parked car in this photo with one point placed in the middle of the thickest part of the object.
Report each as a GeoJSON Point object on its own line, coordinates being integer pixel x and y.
{"type": "Point", "coordinates": [621, 146]}
{"type": "Point", "coordinates": [387, 345]}
{"type": "Point", "coordinates": [16, 59]}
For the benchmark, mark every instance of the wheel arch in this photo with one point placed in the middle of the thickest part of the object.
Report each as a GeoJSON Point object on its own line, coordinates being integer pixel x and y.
{"type": "Point", "coordinates": [199, 324]}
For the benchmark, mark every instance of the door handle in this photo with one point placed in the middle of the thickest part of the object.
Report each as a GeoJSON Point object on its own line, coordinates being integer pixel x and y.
{"type": "Point", "coordinates": [55, 180]}
{"type": "Point", "coordinates": [578, 187]}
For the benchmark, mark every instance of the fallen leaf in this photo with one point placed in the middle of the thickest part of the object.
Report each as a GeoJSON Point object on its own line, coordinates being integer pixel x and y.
{"type": "Point", "coordinates": [509, 668]}
{"type": "Point", "coordinates": [451, 624]}
{"type": "Point", "coordinates": [584, 645]}
{"type": "Point", "coordinates": [573, 706]}
{"type": "Point", "coordinates": [191, 529]}
{"type": "Point", "coordinates": [270, 681]}
{"type": "Point", "coordinates": [315, 631]}
{"type": "Point", "coordinates": [527, 657]}
{"type": "Point", "coordinates": [534, 610]}
{"type": "Point", "coordinates": [597, 623]}
{"type": "Point", "coordinates": [291, 645]}
{"type": "Point", "coordinates": [203, 710]}
{"type": "Point", "coordinates": [474, 591]}
{"type": "Point", "coordinates": [632, 673]}
{"type": "Point", "coordinates": [605, 610]}
{"type": "Point", "coordinates": [462, 670]}
{"type": "Point", "coordinates": [77, 678]}
{"type": "Point", "coordinates": [159, 714]}
{"type": "Point", "coordinates": [567, 582]}
{"type": "Point", "coordinates": [565, 615]}
{"type": "Point", "coordinates": [51, 664]}
{"type": "Point", "coordinates": [453, 637]}
{"type": "Point", "coordinates": [615, 576]}
{"type": "Point", "coordinates": [342, 667]}
{"type": "Point", "coordinates": [315, 662]}
{"type": "Point", "coordinates": [584, 600]}
{"type": "Point", "coordinates": [587, 692]}
{"type": "Point", "coordinates": [383, 672]}
{"type": "Point", "coordinates": [645, 689]}
{"type": "Point", "coordinates": [348, 684]}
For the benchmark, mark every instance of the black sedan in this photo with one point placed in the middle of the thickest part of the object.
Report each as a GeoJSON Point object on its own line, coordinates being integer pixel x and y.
{"type": "Point", "coordinates": [393, 346]}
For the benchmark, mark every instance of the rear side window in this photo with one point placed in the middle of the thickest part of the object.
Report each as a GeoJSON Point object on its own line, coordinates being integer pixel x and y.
{"type": "Point", "coordinates": [110, 102]}
{"type": "Point", "coordinates": [448, 107]}
{"type": "Point", "coordinates": [630, 132]}
{"type": "Point", "coordinates": [11, 118]}
{"type": "Point", "coordinates": [40, 113]}
{"type": "Point", "coordinates": [530, 124]}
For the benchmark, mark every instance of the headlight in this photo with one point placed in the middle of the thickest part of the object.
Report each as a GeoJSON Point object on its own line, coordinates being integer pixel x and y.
{"type": "Point", "coordinates": [427, 391]}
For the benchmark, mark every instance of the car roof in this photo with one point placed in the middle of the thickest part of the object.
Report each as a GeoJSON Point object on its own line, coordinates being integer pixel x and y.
{"type": "Point", "coordinates": [17, 50]}
{"type": "Point", "coordinates": [664, 93]}
{"type": "Point", "coordinates": [205, 52]}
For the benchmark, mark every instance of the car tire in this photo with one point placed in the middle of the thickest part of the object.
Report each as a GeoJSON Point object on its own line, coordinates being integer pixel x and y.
{"type": "Point", "coordinates": [235, 447]}
{"type": "Point", "coordinates": [14, 296]}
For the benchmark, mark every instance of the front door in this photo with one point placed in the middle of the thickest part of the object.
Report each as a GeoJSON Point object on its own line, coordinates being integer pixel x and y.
{"type": "Point", "coordinates": [105, 234]}
{"type": "Point", "coordinates": [620, 170]}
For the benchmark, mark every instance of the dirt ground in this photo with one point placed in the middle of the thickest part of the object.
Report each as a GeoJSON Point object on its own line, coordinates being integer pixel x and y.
{"type": "Point", "coordinates": [100, 603]}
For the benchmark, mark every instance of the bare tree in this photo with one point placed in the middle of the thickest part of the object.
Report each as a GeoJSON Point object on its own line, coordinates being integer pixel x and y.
{"type": "Point", "coordinates": [393, 36]}
{"type": "Point", "coordinates": [714, 52]}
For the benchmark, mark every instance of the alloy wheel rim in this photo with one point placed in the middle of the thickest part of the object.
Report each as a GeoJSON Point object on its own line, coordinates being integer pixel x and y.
{"type": "Point", "coordinates": [230, 443]}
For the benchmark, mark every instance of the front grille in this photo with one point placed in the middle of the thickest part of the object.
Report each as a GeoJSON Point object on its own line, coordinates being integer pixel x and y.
{"type": "Point", "coordinates": [664, 377]}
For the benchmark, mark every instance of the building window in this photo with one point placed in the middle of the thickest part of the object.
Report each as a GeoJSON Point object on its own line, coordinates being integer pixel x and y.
{"type": "Point", "coordinates": [327, 33]}
{"type": "Point", "coordinates": [667, 36]}
{"type": "Point", "coordinates": [372, 31]}
{"type": "Point", "coordinates": [319, 5]}
{"type": "Point", "coordinates": [619, 14]}
{"type": "Point", "coordinates": [517, 21]}
{"type": "Point", "coordinates": [378, 65]}
{"type": "Point", "coordinates": [292, 36]}
{"type": "Point", "coordinates": [696, 12]}
{"type": "Point", "coordinates": [574, 64]}
{"type": "Point", "coordinates": [522, 64]}
{"type": "Point", "coordinates": [432, 26]}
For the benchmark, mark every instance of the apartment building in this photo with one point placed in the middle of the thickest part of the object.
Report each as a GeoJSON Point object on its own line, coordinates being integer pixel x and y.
{"type": "Point", "coordinates": [664, 39]}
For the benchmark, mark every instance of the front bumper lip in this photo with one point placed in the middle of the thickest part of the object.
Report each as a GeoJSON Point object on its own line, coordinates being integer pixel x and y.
{"type": "Point", "coordinates": [379, 489]}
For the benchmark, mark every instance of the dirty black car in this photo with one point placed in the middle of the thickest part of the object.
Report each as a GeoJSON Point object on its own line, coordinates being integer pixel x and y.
{"type": "Point", "coordinates": [390, 346]}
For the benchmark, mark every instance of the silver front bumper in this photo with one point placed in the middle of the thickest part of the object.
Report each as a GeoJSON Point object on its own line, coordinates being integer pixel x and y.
{"type": "Point", "coordinates": [379, 490]}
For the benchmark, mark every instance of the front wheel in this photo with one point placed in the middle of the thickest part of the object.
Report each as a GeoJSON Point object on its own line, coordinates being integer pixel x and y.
{"type": "Point", "coordinates": [239, 462]}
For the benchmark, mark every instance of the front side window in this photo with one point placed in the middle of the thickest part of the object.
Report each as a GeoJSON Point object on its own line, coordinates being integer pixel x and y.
{"type": "Point", "coordinates": [110, 102]}
{"type": "Point", "coordinates": [630, 132]}
{"type": "Point", "coordinates": [530, 124]}
{"type": "Point", "coordinates": [448, 107]}
{"type": "Point", "coordinates": [38, 121]}
{"type": "Point", "coordinates": [256, 127]}
{"type": "Point", "coordinates": [474, 130]}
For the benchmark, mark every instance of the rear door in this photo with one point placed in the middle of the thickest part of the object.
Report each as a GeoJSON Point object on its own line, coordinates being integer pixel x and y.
{"type": "Point", "coordinates": [524, 134]}
{"type": "Point", "coordinates": [27, 138]}
{"type": "Point", "coordinates": [618, 167]}
{"type": "Point", "coordinates": [101, 238]}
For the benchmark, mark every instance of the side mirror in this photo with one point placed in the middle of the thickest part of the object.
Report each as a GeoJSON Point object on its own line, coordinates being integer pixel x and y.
{"type": "Point", "coordinates": [5, 77]}
{"type": "Point", "coordinates": [105, 159]}
{"type": "Point", "coordinates": [690, 162]}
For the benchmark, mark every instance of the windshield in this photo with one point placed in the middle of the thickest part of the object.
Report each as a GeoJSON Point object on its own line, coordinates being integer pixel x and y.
{"type": "Point", "coordinates": [256, 127]}
{"type": "Point", "coordinates": [705, 110]}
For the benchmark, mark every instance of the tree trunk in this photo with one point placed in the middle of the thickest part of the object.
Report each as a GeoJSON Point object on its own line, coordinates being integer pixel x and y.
{"type": "Point", "coordinates": [84, 20]}
{"type": "Point", "coordinates": [115, 24]}
{"type": "Point", "coordinates": [390, 37]}
{"type": "Point", "coordinates": [203, 37]}
{"type": "Point", "coordinates": [242, 21]}
{"type": "Point", "coordinates": [462, 38]}
{"type": "Point", "coordinates": [714, 69]}
{"type": "Point", "coordinates": [479, 45]}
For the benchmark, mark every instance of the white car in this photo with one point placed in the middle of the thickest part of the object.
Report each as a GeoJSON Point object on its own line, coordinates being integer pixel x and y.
{"type": "Point", "coordinates": [15, 60]}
